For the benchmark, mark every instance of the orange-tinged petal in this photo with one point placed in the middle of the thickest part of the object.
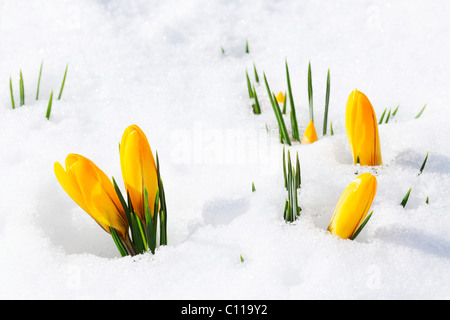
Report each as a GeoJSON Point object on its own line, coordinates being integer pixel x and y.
{"type": "Point", "coordinates": [362, 130]}
{"type": "Point", "coordinates": [310, 135]}
{"type": "Point", "coordinates": [353, 206]}
{"type": "Point", "coordinates": [280, 97]}
{"type": "Point", "coordinates": [138, 169]}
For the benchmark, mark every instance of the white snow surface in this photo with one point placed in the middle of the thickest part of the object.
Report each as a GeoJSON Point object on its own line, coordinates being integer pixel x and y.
{"type": "Point", "coordinates": [159, 64]}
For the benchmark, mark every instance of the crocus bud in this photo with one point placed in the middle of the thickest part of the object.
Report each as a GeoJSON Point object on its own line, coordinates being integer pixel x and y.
{"type": "Point", "coordinates": [280, 97]}
{"type": "Point", "coordinates": [138, 169]}
{"type": "Point", "coordinates": [362, 130]}
{"type": "Point", "coordinates": [92, 190]}
{"type": "Point", "coordinates": [310, 135]}
{"type": "Point", "coordinates": [353, 206]}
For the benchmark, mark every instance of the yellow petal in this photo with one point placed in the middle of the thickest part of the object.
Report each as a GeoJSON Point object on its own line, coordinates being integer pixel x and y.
{"type": "Point", "coordinates": [353, 206]}
{"type": "Point", "coordinates": [138, 169]}
{"type": "Point", "coordinates": [280, 97]}
{"type": "Point", "coordinates": [92, 190]}
{"type": "Point", "coordinates": [100, 197]}
{"type": "Point", "coordinates": [362, 130]}
{"type": "Point", "coordinates": [310, 135]}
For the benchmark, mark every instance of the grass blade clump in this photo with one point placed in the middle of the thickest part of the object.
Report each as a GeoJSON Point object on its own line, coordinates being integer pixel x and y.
{"type": "Point", "coordinates": [327, 102]}
{"type": "Point", "coordinates": [292, 184]}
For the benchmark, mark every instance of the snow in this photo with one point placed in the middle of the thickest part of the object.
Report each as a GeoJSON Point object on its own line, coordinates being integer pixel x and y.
{"type": "Point", "coordinates": [158, 64]}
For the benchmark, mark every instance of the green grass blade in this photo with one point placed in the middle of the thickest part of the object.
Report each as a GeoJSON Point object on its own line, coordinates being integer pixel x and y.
{"type": "Point", "coordinates": [405, 199]}
{"type": "Point", "coordinates": [256, 74]}
{"type": "Point", "coordinates": [22, 90]}
{"type": "Point", "coordinates": [423, 164]}
{"type": "Point", "coordinates": [284, 168]}
{"type": "Point", "coordinates": [331, 129]}
{"type": "Point", "coordinates": [253, 187]}
{"type": "Point", "coordinates": [246, 47]}
{"type": "Point", "coordinates": [122, 200]}
{"type": "Point", "coordinates": [249, 85]}
{"type": "Point", "coordinates": [382, 117]}
{"type": "Point", "coordinates": [256, 105]}
{"type": "Point", "coordinates": [327, 102]}
{"type": "Point", "coordinates": [242, 259]}
{"type": "Point", "coordinates": [395, 111]}
{"type": "Point", "coordinates": [310, 93]}
{"type": "Point", "coordinates": [276, 108]}
{"type": "Point", "coordinates": [12, 94]}
{"type": "Point", "coordinates": [63, 83]}
{"type": "Point", "coordinates": [362, 226]}
{"type": "Point", "coordinates": [421, 111]}
{"type": "Point", "coordinates": [284, 104]}
{"type": "Point", "coordinates": [49, 107]}
{"type": "Point", "coordinates": [388, 116]}
{"type": "Point", "coordinates": [298, 178]}
{"type": "Point", "coordinates": [39, 81]}
{"type": "Point", "coordinates": [294, 124]}
{"type": "Point", "coordinates": [428, 200]}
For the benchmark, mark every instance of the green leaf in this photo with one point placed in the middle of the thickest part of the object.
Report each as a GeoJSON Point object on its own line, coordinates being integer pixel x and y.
{"type": "Point", "coordinates": [428, 200]}
{"type": "Point", "coordinates": [63, 83]}
{"type": "Point", "coordinates": [120, 246]}
{"type": "Point", "coordinates": [310, 93]}
{"type": "Point", "coordinates": [163, 206]}
{"type": "Point", "coordinates": [151, 222]}
{"type": "Point", "coordinates": [421, 111]}
{"type": "Point", "coordinates": [253, 187]}
{"type": "Point", "coordinates": [12, 95]}
{"type": "Point", "coordinates": [49, 107]}
{"type": "Point", "coordinates": [242, 259]}
{"type": "Point", "coordinates": [327, 102]}
{"type": "Point", "coordinates": [405, 199]}
{"type": "Point", "coordinates": [362, 226]}
{"type": "Point", "coordinates": [423, 164]}
{"type": "Point", "coordinates": [39, 81]}
{"type": "Point", "coordinates": [331, 129]}
{"type": "Point", "coordinates": [246, 47]}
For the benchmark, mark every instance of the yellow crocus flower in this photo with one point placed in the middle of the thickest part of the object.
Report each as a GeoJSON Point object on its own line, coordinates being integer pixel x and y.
{"type": "Point", "coordinates": [138, 169]}
{"type": "Point", "coordinates": [353, 206]}
{"type": "Point", "coordinates": [92, 190]}
{"type": "Point", "coordinates": [362, 130]}
{"type": "Point", "coordinates": [310, 135]}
